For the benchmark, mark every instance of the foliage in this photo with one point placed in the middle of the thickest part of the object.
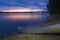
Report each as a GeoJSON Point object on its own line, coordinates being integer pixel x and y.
{"type": "Point", "coordinates": [54, 7]}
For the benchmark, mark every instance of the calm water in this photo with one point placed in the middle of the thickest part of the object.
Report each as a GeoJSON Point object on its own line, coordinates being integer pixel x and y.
{"type": "Point", "coordinates": [9, 26]}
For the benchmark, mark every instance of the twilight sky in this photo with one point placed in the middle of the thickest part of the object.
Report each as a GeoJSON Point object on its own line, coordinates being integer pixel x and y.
{"type": "Point", "coordinates": [6, 4]}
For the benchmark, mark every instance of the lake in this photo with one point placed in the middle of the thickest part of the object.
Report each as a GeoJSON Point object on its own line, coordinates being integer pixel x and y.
{"type": "Point", "coordinates": [9, 22]}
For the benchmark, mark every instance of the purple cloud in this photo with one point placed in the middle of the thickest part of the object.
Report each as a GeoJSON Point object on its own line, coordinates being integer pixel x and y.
{"type": "Point", "coordinates": [6, 4]}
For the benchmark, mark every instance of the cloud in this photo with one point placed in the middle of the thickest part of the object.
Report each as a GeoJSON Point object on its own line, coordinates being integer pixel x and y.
{"type": "Point", "coordinates": [17, 7]}
{"type": "Point", "coordinates": [6, 4]}
{"type": "Point", "coordinates": [20, 2]}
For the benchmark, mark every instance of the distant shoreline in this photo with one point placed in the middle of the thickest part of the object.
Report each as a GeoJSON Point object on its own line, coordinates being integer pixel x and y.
{"type": "Point", "coordinates": [26, 12]}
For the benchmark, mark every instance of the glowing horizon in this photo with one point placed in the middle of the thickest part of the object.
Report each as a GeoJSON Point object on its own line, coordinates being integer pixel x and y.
{"type": "Point", "coordinates": [22, 10]}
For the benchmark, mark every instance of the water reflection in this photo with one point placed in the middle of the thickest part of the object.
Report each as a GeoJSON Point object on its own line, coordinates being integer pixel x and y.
{"type": "Point", "coordinates": [22, 16]}
{"type": "Point", "coordinates": [9, 22]}
{"type": "Point", "coordinates": [25, 18]}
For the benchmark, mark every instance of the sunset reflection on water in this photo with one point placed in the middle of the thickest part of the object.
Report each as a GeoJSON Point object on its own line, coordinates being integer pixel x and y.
{"type": "Point", "coordinates": [22, 16]}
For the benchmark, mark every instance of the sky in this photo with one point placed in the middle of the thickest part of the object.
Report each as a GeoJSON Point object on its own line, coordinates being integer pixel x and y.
{"type": "Point", "coordinates": [6, 4]}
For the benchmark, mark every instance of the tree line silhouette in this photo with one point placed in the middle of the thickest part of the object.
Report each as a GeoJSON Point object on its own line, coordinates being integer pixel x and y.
{"type": "Point", "coordinates": [54, 8]}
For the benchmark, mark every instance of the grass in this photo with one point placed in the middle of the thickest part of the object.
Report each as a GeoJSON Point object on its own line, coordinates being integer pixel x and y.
{"type": "Point", "coordinates": [23, 36]}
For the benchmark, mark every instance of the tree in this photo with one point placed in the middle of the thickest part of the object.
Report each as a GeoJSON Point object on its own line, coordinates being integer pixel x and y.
{"type": "Point", "coordinates": [54, 8]}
